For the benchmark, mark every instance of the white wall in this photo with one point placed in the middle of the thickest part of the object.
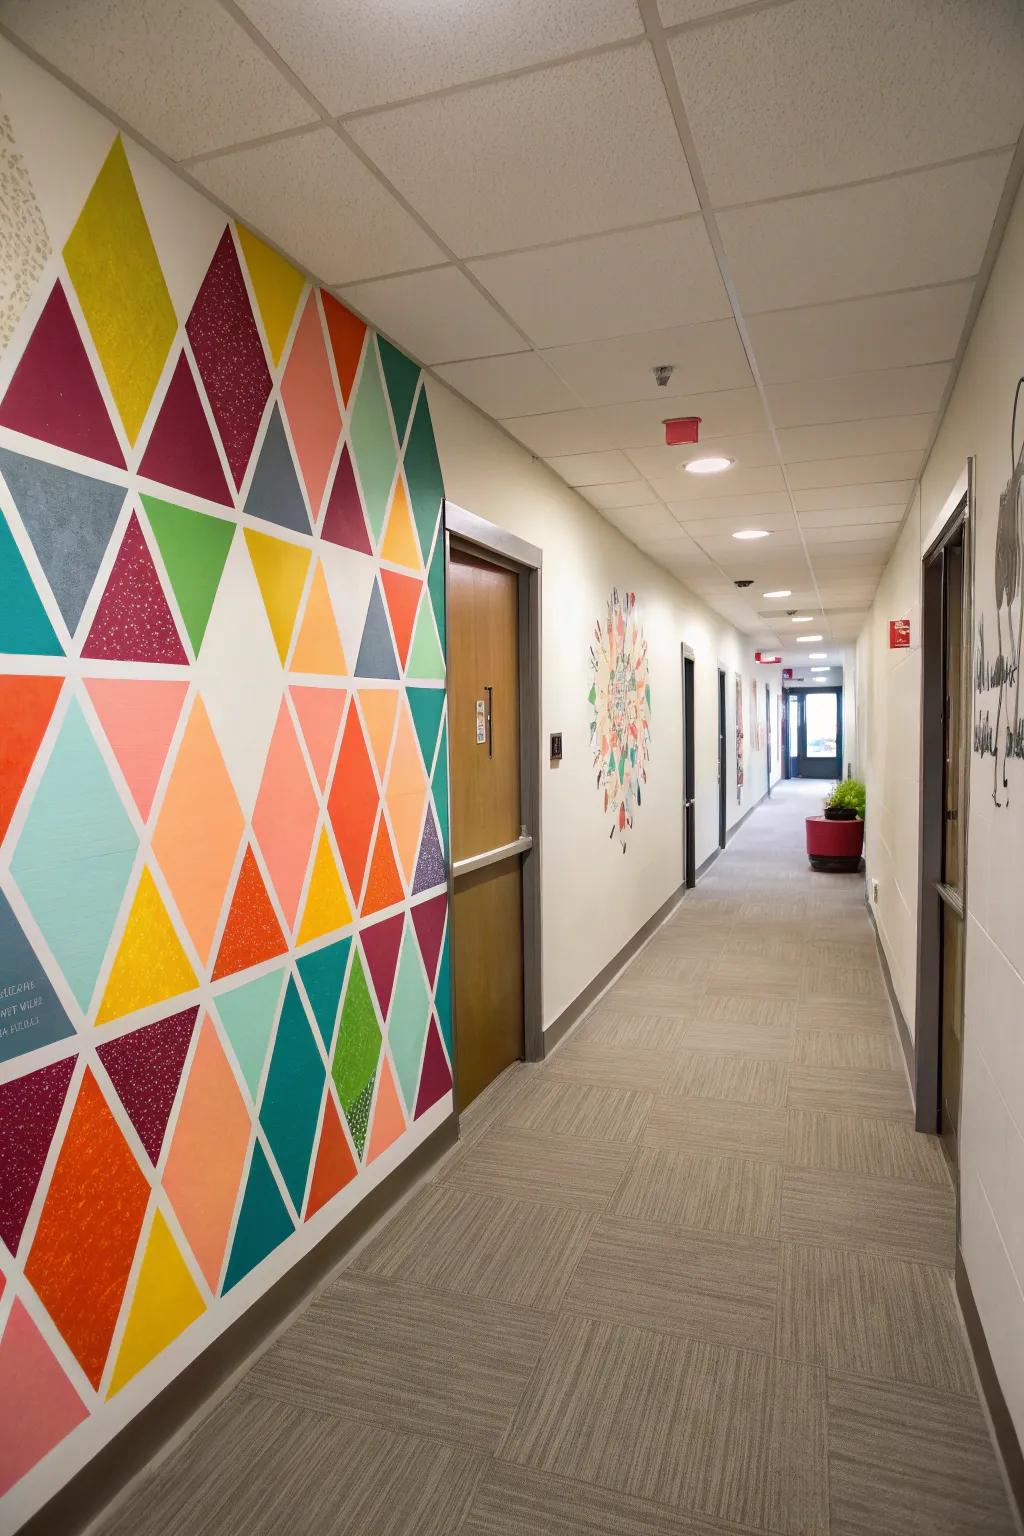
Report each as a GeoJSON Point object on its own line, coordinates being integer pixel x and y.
{"type": "Point", "coordinates": [595, 896]}
{"type": "Point", "coordinates": [992, 1116]}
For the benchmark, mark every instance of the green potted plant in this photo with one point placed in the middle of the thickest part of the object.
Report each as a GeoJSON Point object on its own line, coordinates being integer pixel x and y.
{"type": "Point", "coordinates": [835, 840]}
{"type": "Point", "coordinates": [846, 802]}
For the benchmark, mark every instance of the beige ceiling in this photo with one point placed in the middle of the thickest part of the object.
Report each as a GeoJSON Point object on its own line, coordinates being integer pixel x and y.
{"type": "Point", "coordinates": [789, 201]}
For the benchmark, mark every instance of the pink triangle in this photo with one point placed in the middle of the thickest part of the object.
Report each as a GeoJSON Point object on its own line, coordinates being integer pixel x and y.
{"type": "Point", "coordinates": [41, 1405]}
{"type": "Point", "coordinates": [319, 711]}
{"type": "Point", "coordinates": [133, 621]}
{"type": "Point", "coordinates": [181, 451]}
{"type": "Point", "coordinates": [138, 717]}
{"type": "Point", "coordinates": [145, 1067]}
{"type": "Point", "coordinates": [344, 522]}
{"type": "Point", "coordinates": [54, 395]}
{"type": "Point", "coordinates": [388, 1119]}
{"type": "Point", "coordinates": [307, 390]}
{"type": "Point", "coordinates": [381, 943]}
{"type": "Point", "coordinates": [428, 920]}
{"type": "Point", "coordinates": [436, 1077]}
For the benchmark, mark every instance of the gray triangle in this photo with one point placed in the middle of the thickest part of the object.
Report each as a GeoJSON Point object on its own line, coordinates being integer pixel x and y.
{"type": "Point", "coordinates": [376, 649]}
{"type": "Point", "coordinates": [275, 494]}
{"type": "Point", "coordinates": [69, 518]}
{"type": "Point", "coordinates": [31, 1013]}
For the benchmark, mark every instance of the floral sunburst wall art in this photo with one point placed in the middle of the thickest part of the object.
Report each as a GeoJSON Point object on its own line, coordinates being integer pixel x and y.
{"type": "Point", "coordinates": [620, 697]}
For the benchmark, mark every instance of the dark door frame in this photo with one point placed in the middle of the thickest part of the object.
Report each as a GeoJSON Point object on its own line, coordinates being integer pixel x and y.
{"type": "Point", "coordinates": [689, 771]}
{"type": "Point", "coordinates": [768, 737]}
{"type": "Point", "coordinates": [931, 895]}
{"type": "Point", "coordinates": [722, 735]}
{"type": "Point", "coordinates": [800, 755]}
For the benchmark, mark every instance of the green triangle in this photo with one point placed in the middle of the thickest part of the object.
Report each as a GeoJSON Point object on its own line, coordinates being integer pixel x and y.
{"type": "Point", "coordinates": [443, 996]}
{"type": "Point", "coordinates": [323, 976]}
{"type": "Point", "coordinates": [263, 1221]}
{"type": "Point", "coordinates": [24, 628]}
{"type": "Point", "coordinates": [401, 375]}
{"type": "Point", "coordinates": [439, 790]}
{"type": "Point", "coordinates": [409, 1017]}
{"type": "Point", "coordinates": [426, 706]}
{"type": "Point", "coordinates": [356, 1054]}
{"type": "Point", "coordinates": [423, 474]}
{"type": "Point", "coordinates": [194, 547]}
{"type": "Point", "coordinates": [435, 585]}
{"type": "Point", "coordinates": [248, 1013]}
{"type": "Point", "coordinates": [425, 659]}
{"type": "Point", "coordinates": [373, 443]}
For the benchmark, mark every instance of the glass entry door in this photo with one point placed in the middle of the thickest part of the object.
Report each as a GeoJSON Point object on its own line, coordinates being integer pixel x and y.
{"type": "Point", "coordinates": [817, 750]}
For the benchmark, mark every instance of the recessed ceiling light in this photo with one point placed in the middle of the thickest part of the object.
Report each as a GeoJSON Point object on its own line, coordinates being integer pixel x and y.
{"type": "Point", "coordinates": [712, 465]}
{"type": "Point", "coordinates": [820, 669]}
{"type": "Point", "coordinates": [817, 655]}
{"type": "Point", "coordinates": [752, 533]}
{"type": "Point", "coordinates": [807, 639]}
{"type": "Point", "coordinates": [782, 592]}
{"type": "Point", "coordinates": [802, 618]}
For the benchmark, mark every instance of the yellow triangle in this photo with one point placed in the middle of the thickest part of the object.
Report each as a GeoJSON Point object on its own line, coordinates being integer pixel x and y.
{"type": "Point", "coordinates": [327, 906]}
{"type": "Point", "coordinates": [150, 964]}
{"type": "Point", "coordinates": [166, 1302]}
{"type": "Point", "coordinates": [318, 648]}
{"type": "Point", "coordinates": [281, 572]}
{"type": "Point", "coordinates": [399, 544]}
{"type": "Point", "coordinates": [277, 286]}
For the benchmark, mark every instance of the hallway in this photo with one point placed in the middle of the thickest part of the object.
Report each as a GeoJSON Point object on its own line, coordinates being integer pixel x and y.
{"type": "Point", "coordinates": [690, 1277]}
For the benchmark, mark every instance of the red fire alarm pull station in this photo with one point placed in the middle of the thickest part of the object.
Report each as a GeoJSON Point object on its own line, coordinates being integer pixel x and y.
{"type": "Point", "coordinates": [899, 634]}
{"type": "Point", "coordinates": [681, 429]}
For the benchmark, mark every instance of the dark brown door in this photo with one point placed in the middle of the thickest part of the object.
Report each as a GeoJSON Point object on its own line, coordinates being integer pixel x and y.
{"type": "Point", "coordinates": [689, 775]}
{"type": "Point", "coordinates": [483, 705]}
{"type": "Point", "coordinates": [951, 885]}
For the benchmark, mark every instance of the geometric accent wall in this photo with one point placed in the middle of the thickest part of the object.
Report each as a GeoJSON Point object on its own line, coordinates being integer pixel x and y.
{"type": "Point", "coordinates": [224, 967]}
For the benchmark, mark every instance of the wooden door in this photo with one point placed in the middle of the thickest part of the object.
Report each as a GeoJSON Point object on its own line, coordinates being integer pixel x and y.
{"type": "Point", "coordinates": [483, 706]}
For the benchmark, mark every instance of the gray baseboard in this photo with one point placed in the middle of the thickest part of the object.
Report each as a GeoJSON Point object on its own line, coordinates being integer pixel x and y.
{"type": "Point", "coordinates": [702, 869]}
{"type": "Point", "coordinates": [906, 1039]}
{"type": "Point", "coordinates": [195, 1389]}
{"type": "Point", "coordinates": [1002, 1423]}
{"type": "Point", "coordinates": [730, 832]}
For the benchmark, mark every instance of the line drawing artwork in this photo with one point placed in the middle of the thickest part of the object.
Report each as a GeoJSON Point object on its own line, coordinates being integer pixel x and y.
{"type": "Point", "coordinates": [1003, 739]}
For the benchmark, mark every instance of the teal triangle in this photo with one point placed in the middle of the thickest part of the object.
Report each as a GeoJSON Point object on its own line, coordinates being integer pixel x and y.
{"type": "Point", "coordinates": [248, 1013]}
{"type": "Point", "coordinates": [373, 443]}
{"type": "Point", "coordinates": [439, 790]}
{"type": "Point", "coordinates": [423, 474]}
{"type": "Point", "coordinates": [425, 659]}
{"type": "Point", "coordinates": [24, 628]}
{"type": "Point", "coordinates": [435, 586]}
{"type": "Point", "coordinates": [263, 1222]}
{"type": "Point", "coordinates": [376, 649]}
{"type": "Point", "coordinates": [401, 375]}
{"type": "Point", "coordinates": [323, 976]}
{"type": "Point", "coordinates": [443, 996]}
{"type": "Point", "coordinates": [409, 1018]}
{"type": "Point", "coordinates": [427, 706]}
{"type": "Point", "coordinates": [290, 1108]}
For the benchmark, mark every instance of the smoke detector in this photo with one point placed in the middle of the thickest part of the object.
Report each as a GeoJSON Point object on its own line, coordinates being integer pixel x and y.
{"type": "Point", "coordinates": [662, 373]}
{"type": "Point", "coordinates": [743, 583]}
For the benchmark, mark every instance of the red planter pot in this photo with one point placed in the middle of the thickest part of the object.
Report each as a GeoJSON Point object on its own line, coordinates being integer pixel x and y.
{"type": "Point", "coordinates": [834, 845]}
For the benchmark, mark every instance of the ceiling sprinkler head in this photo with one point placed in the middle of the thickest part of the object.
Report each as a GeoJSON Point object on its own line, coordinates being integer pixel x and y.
{"type": "Point", "coordinates": [743, 583]}
{"type": "Point", "coordinates": [662, 373]}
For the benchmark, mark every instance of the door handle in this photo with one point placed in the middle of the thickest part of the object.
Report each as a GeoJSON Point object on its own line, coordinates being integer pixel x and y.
{"type": "Point", "coordinates": [490, 719]}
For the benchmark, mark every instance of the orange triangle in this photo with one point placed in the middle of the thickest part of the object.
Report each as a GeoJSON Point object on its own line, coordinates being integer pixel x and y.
{"type": "Point", "coordinates": [346, 331]}
{"type": "Point", "coordinates": [380, 705]}
{"type": "Point", "coordinates": [399, 544]}
{"type": "Point", "coordinates": [26, 704]}
{"type": "Point", "coordinates": [334, 1166]}
{"type": "Point", "coordinates": [383, 884]}
{"type": "Point", "coordinates": [319, 711]}
{"type": "Point", "coordinates": [318, 648]}
{"type": "Point", "coordinates": [402, 594]}
{"type": "Point", "coordinates": [388, 1119]}
{"type": "Point", "coordinates": [252, 932]}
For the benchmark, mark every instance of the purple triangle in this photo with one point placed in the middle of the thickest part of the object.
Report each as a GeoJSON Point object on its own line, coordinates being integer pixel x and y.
{"type": "Point", "coordinates": [133, 621]}
{"type": "Point", "coordinates": [29, 1110]}
{"type": "Point", "coordinates": [436, 1076]}
{"type": "Point", "coordinates": [145, 1067]}
{"type": "Point", "coordinates": [381, 944]}
{"type": "Point", "coordinates": [229, 355]}
{"type": "Point", "coordinates": [430, 865]}
{"type": "Point", "coordinates": [54, 395]}
{"type": "Point", "coordinates": [344, 522]}
{"type": "Point", "coordinates": [428, 919]}
{"type": "Point", "coordinates": [181, 451]}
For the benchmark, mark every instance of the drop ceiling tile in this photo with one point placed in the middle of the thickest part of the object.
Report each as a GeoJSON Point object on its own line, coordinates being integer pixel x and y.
{"type": "Point", "coordinates": [479, 164]}
{"type": "Point", "coordinates": [610, 285]}
{"type": "Point", "coordinates": [639, 423]}
{"type": "Point", "coordinates": [627, 493]}
{"type": "Point", "coordinates": [753, 450]}
{"type": "Point", "coordinates": [300, 192]}
{"type": "Point", "coordinates": [738, 481]}
{"type": "Point", "coordinates": [877, 494]}
{"type": "Point", "coordinates": [675, 12]}
{"type": "Point", "coordinates": [844, 439]}
{"type": "Point", "coordinates": [802, 96]}
{"type": "Point", "coordinates": [900, 233]}
{"type": "Point", "coordinates": [860, 396]}
{"type": "Point", "coordinates": [705, 357]}
{"type": "Point", "coordinates": [651, 520]}
{"type": "Point", "coordinates": [746, 507]}
{"type": "Point", "coordinates": [561, 432]}
{"type": "Point", "coordinates": [845, 517]}
{"type": "Point", "coordinates": [857, 471]}
{"type": "Point", "coordinates": [352, 54]}
{"type": "Point", "coordinates": [716, 542]}
{"type": "Point", "coordinates": [592, 468]}
{"type": "Point", "coordinates": [184, 74]}
{"type": "Point", "coordinates": [724, 527]}
{"type": "Point", "coordinates": [438, 315]}
{"type": "Point", "coordinates": [517, 385]}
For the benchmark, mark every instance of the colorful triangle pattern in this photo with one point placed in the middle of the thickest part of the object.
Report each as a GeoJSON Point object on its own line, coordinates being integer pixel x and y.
{"type": "Point", "coordinates": [194, 547]}
{"type": "Point", "coordinates": [25, 629]}
{"type": "Point", "coordinates": [181, 451]}
{"type": "Point", "coordinates": [252, 932]}
{"type": "Point", "coordinates": [334, 1166]}
{"type": "Point", "coordinates": [145, 1067]}
{"type": "Point", "coordinates": [346, 332]}
{"type": "Point", "coordinates": [26, 708]}
{"type": "Point", "coordinates": [30, 1107]}
{"type": "Point", "coordinates": [166, 1301]}
{"type": "Point", "coordinates": [133, 621]}
{"type": "Point", "coordinates": [150, 965]}
{"type": "Point", "coordinates": [139, 718]}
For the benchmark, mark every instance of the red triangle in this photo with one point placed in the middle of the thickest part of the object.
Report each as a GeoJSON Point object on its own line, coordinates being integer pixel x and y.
{"type": "Point", "coordinates": [181, 451]}
{"type": "Point", "coordinates": [384, 883]}
{"type": "Point", "coordinates": [252, 932]}
{"type": "Point", "coordinates": [346, 331]}
{"type": "Point", "coordinates": [381, 943]}
{"type": "Point", "coordinates": [344, 522]}
{"type": "Point", "coordinates": [319, 711]}
{"type": "Point", "coordinates": [334, 1166]}
{"type": "Point", "coordinates": [133, 621]}
{"type": "Point", "coordinates": [145, 1067]}
{"type": "Point", "coordinates": [403, 596]}
{"type": "Point", "coordinates": [54, 395]}
{"type": "Point", "coordinates": [428, 920]}
{"type": "Point", "coordinates": [352, 802]}
{"type": "Point", "coordinates": [435, 1074]}
{"type": "Point", "coordinates": [138, 716]}
{"type": "Point", "coordinates": [26, 704]}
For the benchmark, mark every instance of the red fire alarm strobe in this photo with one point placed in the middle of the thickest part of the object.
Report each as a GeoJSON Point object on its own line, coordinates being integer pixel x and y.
{"type": "Point", "coordinates": [681, 429]}
{"type": "Point", "coordinates": [787, 674]}
{"type": "Point", "coordinates": [767, 658]}
{"type": "Point", "coordinates": [899, 634]}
